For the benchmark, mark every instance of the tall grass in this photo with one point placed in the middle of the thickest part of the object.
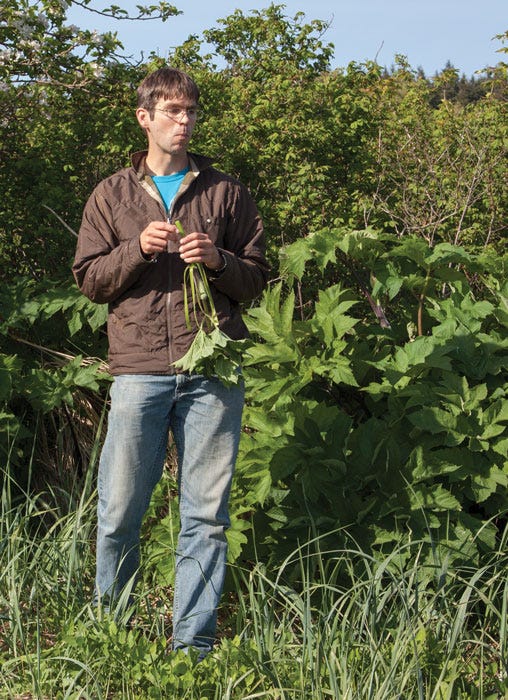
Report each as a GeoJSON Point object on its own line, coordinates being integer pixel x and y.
{"type": "Point", "coordinates": [347, 626]}
{"type": "Point", "coordinates": [386, 634]}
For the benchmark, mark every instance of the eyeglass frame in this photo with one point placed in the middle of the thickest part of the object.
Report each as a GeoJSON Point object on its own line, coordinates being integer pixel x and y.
{"type": "Point", "coordinates": [190, 112]}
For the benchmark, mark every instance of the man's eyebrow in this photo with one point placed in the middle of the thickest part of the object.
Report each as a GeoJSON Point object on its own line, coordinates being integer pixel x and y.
{"type": "Point", "coordinates": [177, 103]}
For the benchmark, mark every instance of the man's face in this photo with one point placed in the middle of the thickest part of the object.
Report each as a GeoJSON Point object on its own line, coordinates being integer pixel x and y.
{"type": "Point", "coordinates": [170, 127]}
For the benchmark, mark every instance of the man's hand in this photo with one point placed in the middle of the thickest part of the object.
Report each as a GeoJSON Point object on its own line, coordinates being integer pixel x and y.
{"type": "Point", "coordinates": [197, 247]}
{"type": "Point", "coordinates": [154, 239]}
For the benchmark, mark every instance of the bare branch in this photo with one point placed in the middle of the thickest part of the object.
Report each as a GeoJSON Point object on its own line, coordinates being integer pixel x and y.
{"type": "Point", "coordinates": [61, 220]}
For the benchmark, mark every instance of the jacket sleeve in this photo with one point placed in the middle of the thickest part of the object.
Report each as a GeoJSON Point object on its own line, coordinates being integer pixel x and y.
{"type": "Point", "coordinates": [104, 267]}
{"type": "Point", "coordinates": [247, 269]}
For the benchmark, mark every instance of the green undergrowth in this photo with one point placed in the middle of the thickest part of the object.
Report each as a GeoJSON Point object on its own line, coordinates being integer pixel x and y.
{"type": "Point", "coordinates": [368, 534]}
{"type": "Point", "coordinates": [345, 626]}
{"type": "Point", "coordinates": [380, 408]}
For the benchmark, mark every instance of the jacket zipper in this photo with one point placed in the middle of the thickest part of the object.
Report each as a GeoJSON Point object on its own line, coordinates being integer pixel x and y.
{"type": "Point", "coordinates": [168, 307]}
{"type": "Point", "coordinates": [169, 315]}
{"type": "Point", "coordinates": [154, 193]}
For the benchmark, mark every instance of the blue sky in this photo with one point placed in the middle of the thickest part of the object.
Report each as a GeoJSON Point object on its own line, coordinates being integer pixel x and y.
{"type": "Point", "coordinates": [428, 32]}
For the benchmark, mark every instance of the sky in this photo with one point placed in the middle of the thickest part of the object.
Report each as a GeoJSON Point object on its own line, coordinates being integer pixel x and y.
{"type": "Point", "coordinates": [429, 33]}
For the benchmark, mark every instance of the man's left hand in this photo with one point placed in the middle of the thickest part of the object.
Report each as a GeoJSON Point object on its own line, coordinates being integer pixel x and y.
{"type": "Point", "coordinates": [198, 247]}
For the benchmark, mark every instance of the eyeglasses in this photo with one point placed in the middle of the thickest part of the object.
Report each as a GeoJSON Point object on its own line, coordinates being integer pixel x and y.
{"type": "Point", "coordinates": [176, 113]}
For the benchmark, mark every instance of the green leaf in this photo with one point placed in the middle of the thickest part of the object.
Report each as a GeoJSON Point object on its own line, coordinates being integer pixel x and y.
{"type": "Point", "coordinates": [98, 317]}
{"type": "Point", "coordinates": [10, 366]}
{"type": "Point", "coordinates": [323, 245]}
{"type": "Point", "coordinates": [330, 320]}
{"type": "Point", "coordinates": [433, 497]}
{"type": "Point", "coordinates": [294, 257]}
{"type": "Point", "coordinates": [415, 249]}
{"type": "Point", "coordinates": [236, 541]}
{"type": "Point", "coordinates": [484, 485]}
{"type": "Point", "coordinates": [434, 420]}
{"type": "Point", "coordinates": [494, 419]}
{"type": "Point", "coordinates": [501, 447]}
{"type": "Point", "coordinates": [446, 254]}
{"type": "Point", "coordinates": [338, 369]}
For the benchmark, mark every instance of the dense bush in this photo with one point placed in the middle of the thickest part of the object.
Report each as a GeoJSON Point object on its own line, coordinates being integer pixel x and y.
{"type": "Point", "coordinates": [369, 506]}
{"type": "Point", "coordinates": [380, 431]}
{"type": "Point", "coordinates": [376, 388]}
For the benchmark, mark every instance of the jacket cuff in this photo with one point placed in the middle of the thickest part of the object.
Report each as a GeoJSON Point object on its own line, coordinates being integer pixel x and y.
{"type": "Point", "coordinates": [215, 274]}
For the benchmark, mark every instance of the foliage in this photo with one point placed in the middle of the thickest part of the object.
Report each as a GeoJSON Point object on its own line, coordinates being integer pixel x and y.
{"type": "Point", "coordinates": [382, 631]}
{"type": "Point", "coordinates": [212, 352]}
{"type": "Point", "coordinates": [357, 146]}
{"type": "Point", "coordinates": [439, 171]}
{"type": "Point", "coordinates": [372, 475]}
{"type": "Point", "coordinates": [51, 396]}
{"type": "Point", "coordinates": [380, 431]}
{"type": "Point", "coordinates": [300, 143]}
{"type": "Point", "coordinates": [317, 147]}
{"type": "Point", "coordinates": [53, 73]}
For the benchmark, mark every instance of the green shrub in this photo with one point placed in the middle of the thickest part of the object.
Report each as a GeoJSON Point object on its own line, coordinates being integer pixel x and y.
{"type": "Point", "coordinates": [385, 432]}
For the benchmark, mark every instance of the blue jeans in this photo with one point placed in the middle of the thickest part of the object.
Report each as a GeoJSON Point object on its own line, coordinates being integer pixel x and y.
{"type": "Point", "coordinates": [205, 419]}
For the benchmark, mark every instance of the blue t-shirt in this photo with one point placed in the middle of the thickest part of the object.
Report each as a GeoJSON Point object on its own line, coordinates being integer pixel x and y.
{"type": "Point", "coordinates": [168, 185]}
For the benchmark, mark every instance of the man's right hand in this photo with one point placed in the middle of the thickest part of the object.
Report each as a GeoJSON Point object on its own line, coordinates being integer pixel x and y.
{"type": "Point", "coordinates": [154, 239]}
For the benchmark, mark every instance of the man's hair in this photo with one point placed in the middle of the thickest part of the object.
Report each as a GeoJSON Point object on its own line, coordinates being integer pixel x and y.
{"type": "Point", "coordinates": [166, 83]}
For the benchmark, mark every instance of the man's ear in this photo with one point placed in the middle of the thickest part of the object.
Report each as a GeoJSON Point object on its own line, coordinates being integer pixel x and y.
{"type": "Point", "coordinates": [143, 117]}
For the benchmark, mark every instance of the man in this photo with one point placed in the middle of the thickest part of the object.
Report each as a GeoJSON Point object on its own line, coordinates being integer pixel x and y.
{"type": "Point", "coordinates": [131, 256]}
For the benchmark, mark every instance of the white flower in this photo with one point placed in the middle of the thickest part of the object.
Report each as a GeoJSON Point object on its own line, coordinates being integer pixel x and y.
{"type": "Point", "coordinates": [8, 55]}
{"type": "Point", "coordinates": [43, 20]}
{"type": "Point", "coordinates": [24, 28]}
{"type": "Point", "coordinates": [97, 38]}
{"type": "Point", "coordinates": [97, 71]}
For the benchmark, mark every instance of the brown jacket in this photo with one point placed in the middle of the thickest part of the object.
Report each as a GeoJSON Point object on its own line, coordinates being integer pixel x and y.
{"type": "Point", "coordinates": [146, 324]}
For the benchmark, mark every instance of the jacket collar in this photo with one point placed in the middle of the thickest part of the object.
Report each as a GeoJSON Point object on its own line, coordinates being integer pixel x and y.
{"type": "Point", "coordinates": [197, 163]}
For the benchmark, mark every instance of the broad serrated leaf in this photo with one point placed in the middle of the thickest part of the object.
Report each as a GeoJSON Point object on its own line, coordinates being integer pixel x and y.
{"type": "Point", "coordinates": [447, 254]}
{"type": "Point", "coordinates": [10, 366]}
{"type": "Point", "coordinates": [99, 316]}
{"type": "Point", "coordinates": [484, 485]}
{"type": "Point", "coordinates": [434, 497]}
{"type": "Point", "coordinates": [294, 257]}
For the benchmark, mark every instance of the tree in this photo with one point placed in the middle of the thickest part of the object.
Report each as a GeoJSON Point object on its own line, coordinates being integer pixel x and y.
{"type": "Point", "coordinates": [323, 151]}
{"type": "Point", "coordinates": [58, 129]}
{"type": "Point", "coordinates": [439, 171]}
{"type": "Point", "coordinates": [65, 121]}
